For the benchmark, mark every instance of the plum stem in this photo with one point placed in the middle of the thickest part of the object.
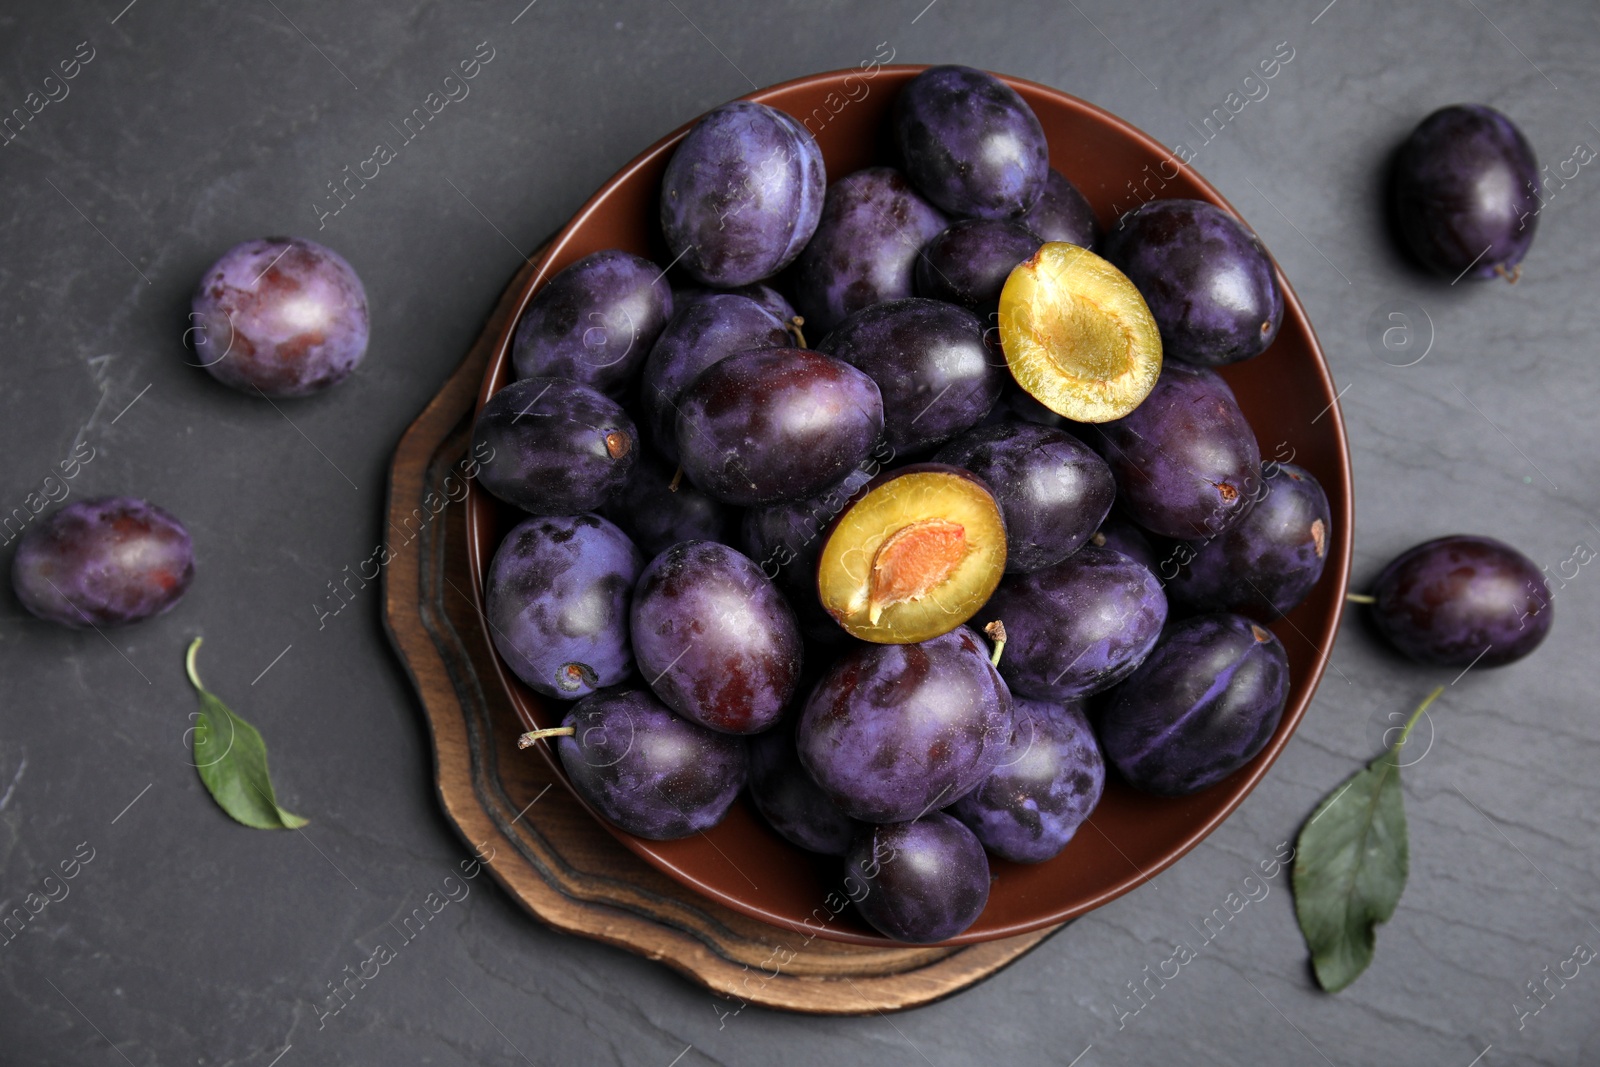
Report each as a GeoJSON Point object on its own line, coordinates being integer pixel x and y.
{"type": "Point", "coordinates": [793, 326]}
{"type": "Point", "coordinates": [997, 632]}
{"type": "Point", "coordinates": [677, 480]}
{"type": "Point", "coordinates": [188, 664]}
{"type": "Point", "coordinates": [1360, 598]}
{"type": "Point", "coordinates": [532, 737]}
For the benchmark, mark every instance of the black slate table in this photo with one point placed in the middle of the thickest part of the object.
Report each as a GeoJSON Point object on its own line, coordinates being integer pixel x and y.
{"type": "Point", "coordinates": [188, 127]}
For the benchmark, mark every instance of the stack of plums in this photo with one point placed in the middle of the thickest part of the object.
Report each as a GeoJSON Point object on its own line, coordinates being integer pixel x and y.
{"type": "Point", "coordinates": [916, 585]}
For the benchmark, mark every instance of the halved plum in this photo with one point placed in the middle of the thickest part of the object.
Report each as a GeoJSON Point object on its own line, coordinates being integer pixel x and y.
{"type": "Point", "coordinates": [915, 555]}
{"type": "Point", "coordinates": [1078, 335]}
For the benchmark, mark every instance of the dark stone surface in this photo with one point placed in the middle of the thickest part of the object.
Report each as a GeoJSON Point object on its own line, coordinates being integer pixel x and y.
{"type": "Point", "coordinates": [188, 939]}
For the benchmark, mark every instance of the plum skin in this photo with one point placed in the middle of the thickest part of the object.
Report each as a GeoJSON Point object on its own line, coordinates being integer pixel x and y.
{"type": "Point", "coordinates": [1210, 285]}
{"type": "Point", "coordinates": [648, 771]}
{"type": "Point", "coordinates": [894, 731]}
{"type": "Point", "coordinates": [970, 144]}
{"type": "Point", "coordinates": [556, 601]}
{"type": "Point", "coordinates": [282, 316]}
{"type": "Point", "coordinates": [558, 447]}
{"type": "Point", "coordinates": [790, 801]}
{"type": "Point", "coordinates": [1466, 192]}
{"type": "Point", "coordinates": [926, 881]}
{"type": "Point", "coordinates": [108, 561]}
{"type": "Point", "coordinates": [714, 638]}
{"type": "Point", "coordinates": [1463, 600]}
{"type": "Point", "coordinates": [742, 194]}
{"type": "Point", "coordinates": [1048, 781]}
{"type": "Point", "coordinates": [1201, 706]}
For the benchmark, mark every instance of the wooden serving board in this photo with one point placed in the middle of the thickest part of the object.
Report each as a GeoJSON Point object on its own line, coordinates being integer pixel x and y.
{"type": "Point", "coordinates": [544, 849]}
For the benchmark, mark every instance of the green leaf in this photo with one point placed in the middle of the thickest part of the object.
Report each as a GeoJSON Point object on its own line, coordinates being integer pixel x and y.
{"type": "Point", "coordinates": [1351, 862]}
{"type": "Point", "coordinates": [232, 760]}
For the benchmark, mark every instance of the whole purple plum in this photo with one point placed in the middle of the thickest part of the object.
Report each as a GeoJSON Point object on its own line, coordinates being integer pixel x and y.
{"type": "Point", "coordinates": [714, 638]}
{"type": "Point", "coordinates": [969, 262]}
{"type": "Point", "coordinates": [1210, 285]}
{"type": "Point", "coordinates": [1053, 490]}
{"type": "Point", "coordinates": [656, 516]}
{"type": "Point", "coordinates": [1077, 627]}
{"type": "Point", "coordinates": [103, 562]}
{"type": "Point", "coordinates": [1048, 781]}
{"type": "Point", "coordinates": [1466, 193]}
{"type": "Point", "coordinates": [1461, 600]}
{"type": "Point", "coordinates": [742, 194]}
{"type": "Point", "coordinates": [556, 600]}
{"type": "Point", "coordinates": [790, 801]}
{"type": "Point", "coordinates": [1266, 563]}
{"type": "Point", "coordinates": [556, 447]}
{"type": "Point", "coordinates": [970, 144]}
{"type": "Point", "coordinates": [936, 374]}
{"type": "Point", "coordinates": [594, 322]}
{"type": "Point", "coordinates": [893, 731]}
{"type": "Point", "coordinates": [1062, 214]}
{"type": "Point", "coordinates": [865, 249]}
{"type": "Point", "coordinates": [650, 772]}
{"type": "Point", "coordinates": [1185, 460]}
{"type": "Point", "coordinates": [1199, 708]}
{"type": "Point", "coordinates": [704, 331]}
{"type": "Point", "coordinates": [281, 315]}
{"type": "Point", "coordinates": [924, 881]}
{"type": "Point", "coordinates": [776, 424]}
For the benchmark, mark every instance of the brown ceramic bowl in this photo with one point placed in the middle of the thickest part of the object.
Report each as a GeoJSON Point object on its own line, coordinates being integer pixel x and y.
{"type": "Point", "coordinates": [1286, 393]}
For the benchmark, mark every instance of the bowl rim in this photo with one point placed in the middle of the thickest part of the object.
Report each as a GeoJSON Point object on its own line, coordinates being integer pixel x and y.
{"type": "Point", "coordinates": [1337, 568]}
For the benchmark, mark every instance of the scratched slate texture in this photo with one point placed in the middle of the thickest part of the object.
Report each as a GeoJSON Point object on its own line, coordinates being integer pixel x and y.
{"type": "Point", "coordinates": [183, 938]}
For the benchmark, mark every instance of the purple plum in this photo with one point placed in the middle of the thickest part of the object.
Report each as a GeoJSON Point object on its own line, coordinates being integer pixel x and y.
{"type": "Point", "coordinates": [103, 562]}
{"type": "Point", "coordinates": [555, 447]}
{"type": "Point", "coordinates": [790, 801]}
{"type": "Point", "coordinates": [556, 601]}
{"type": "Point", "coordinates": [1062, 214]}
{"type": "Point", "coordinates": [1461, 601]}
{"type": "Point", "coordinates": [969, 262]}
{"type": "Point", "coordinates": [594, 322]}
{"type": "Point", "coordinates": [923, 881]}
{"type": "Point", "coordinates": [1199, 708]}
{"type": "Point", "coordinates": [650, 772]}
{"type": "Point", "coordinates": [656, 515]}
{"type": "Point", "coordinates": [281, 316]}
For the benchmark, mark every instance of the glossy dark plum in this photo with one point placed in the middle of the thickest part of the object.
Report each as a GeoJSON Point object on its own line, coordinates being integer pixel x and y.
{"type": "Point", "coordinates": [656, 516]}
{"type": "Point", "coordinates": [784, 539]}
{"type": "Point", "coordinates": [1120, 535]}
{"type": "Point", "coordinates": [1199, 708]}
{"type": "Point", "coordinates": [892, 732]}
{"type": "Point", "coordinates": [741, 194]}
{"type": "Point", "coordinates": [554, 447]}
{"type": "Point", "coordinates": [1078, 627]}
{"type": "Point", "coordinates": [556, 601]}
{"type": "Point", "coordinates": [1186, 461]}
{"type": "Point", "coordinates": [1048, 781]}
{"type": "Point", "coordinates": [647, 770]}
{"type": "Point", "coordinates": [1062, 214]}
{"type": "Point", "coordinates": [969, 262]}
{"type": "Point", "coordinates": [1209, 283]}
{"type": "Point", "coordinates": [790, 801]}
{"type": "Point", "coordinates": [777, 424]}
{"type": "Point", "coordinates": [923, 881]}
{"type": "Point", "coordinates": [705, 330]}
{"type": "Point", "coordinates": [1267, 562]}
{"type": "Point", "coordinates": [281, 315]}
{"type": "Point", "coordinates": [970, 144]}
{"type": "Point", "coordinates": [929, 359]}
{"type": "Point", "coordinates": [865, 249]}
{"type": "Point", "coordinates": [1466, 192]}
{"type": "Point", "coordinates": [594, 322]}
{"type": "Point", "coordinates": [1459, 601]}
{"type": "Point", "coordinates": [714, 638]}
{"type": "Point", "coordinates": [1053, 490]}
{"type": "Point", "coordinates": [103, 562]}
